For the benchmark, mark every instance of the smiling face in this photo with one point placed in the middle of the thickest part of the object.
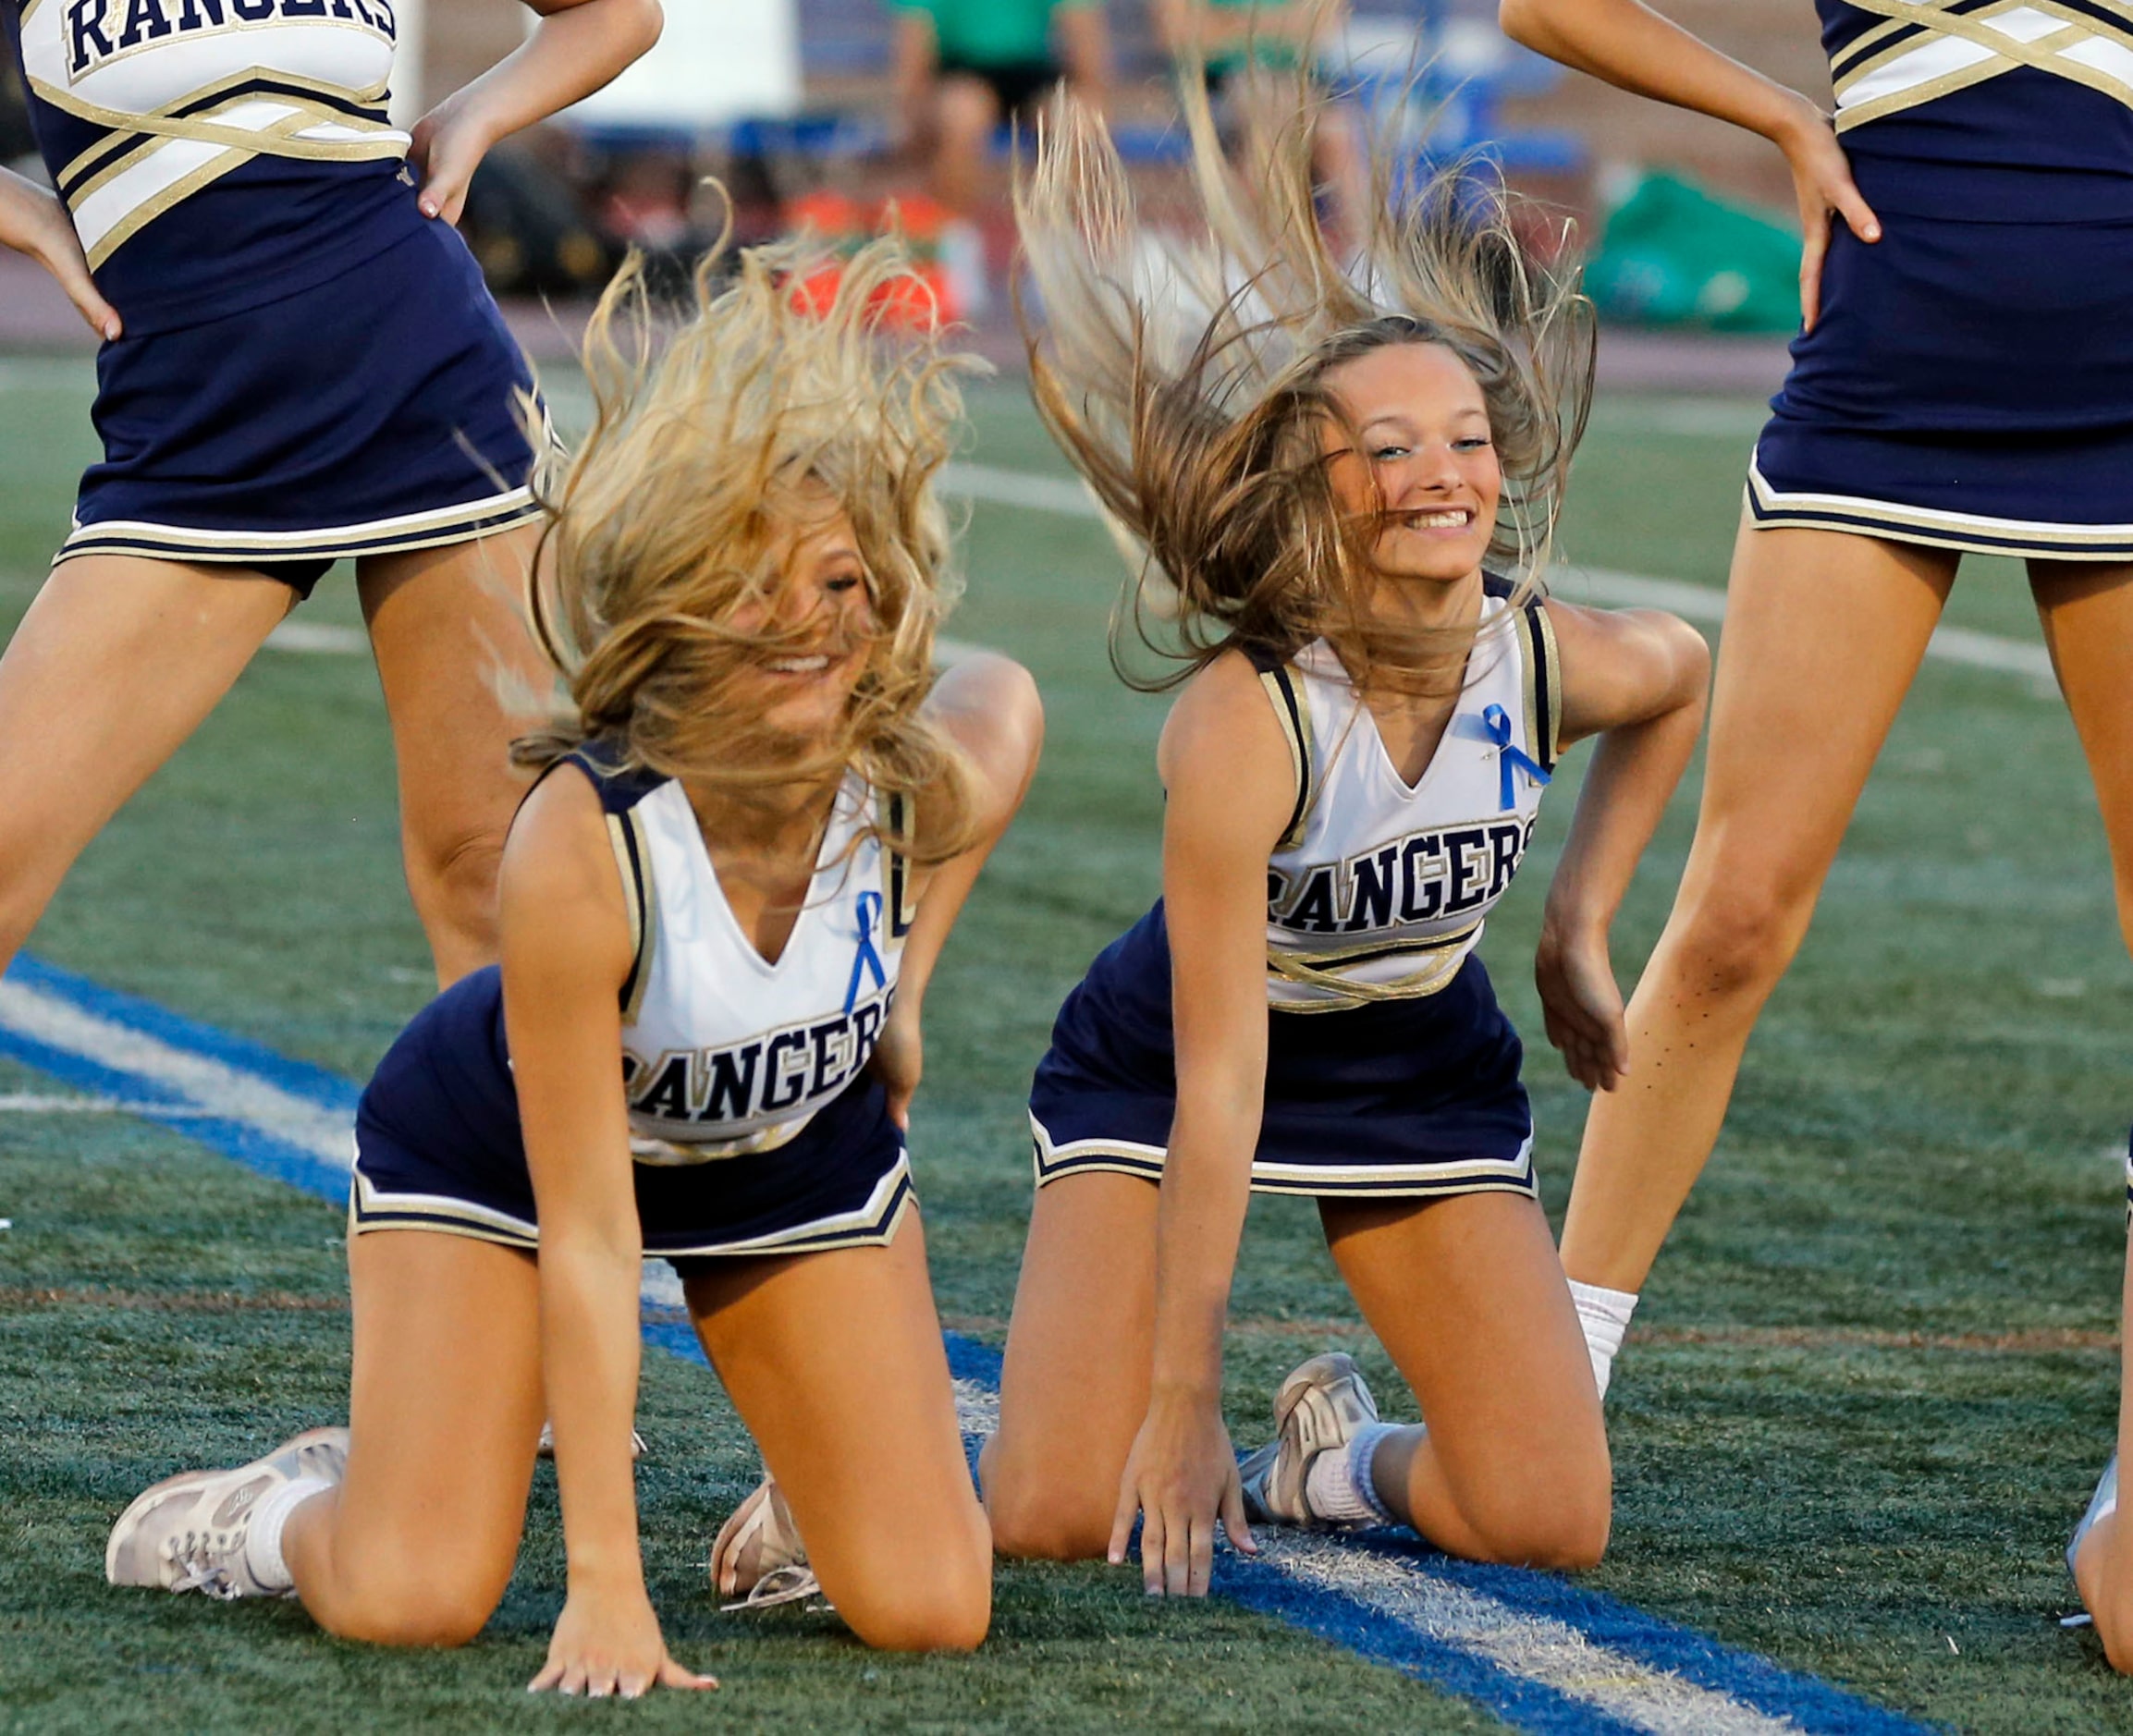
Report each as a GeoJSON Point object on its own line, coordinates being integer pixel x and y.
{"type": "Point", "coordinates": [824, 612]}
{"type": "Point", "coordinates": [1427, 466]}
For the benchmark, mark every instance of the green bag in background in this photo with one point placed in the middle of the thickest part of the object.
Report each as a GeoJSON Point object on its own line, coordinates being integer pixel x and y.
{"type": "Point", "coordinates": [1672, 254]}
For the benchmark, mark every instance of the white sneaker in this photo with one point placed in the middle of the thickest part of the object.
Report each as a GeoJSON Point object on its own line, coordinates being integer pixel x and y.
{"type": "Point", "coordinates": [187, 1533]}
{"type": "Point", "coordinates": [2104, 1501]}
{"type": "Point", "coordinates": [759, 1559]}
{"type": "Point", "coordinates": [1319, 1409]}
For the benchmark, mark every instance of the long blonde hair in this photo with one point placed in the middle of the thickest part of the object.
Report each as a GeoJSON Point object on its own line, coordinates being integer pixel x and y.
{"type": "Point", "coordinates": [772, 401]}
{"type": "Point", "coordinates": [1184, 377]}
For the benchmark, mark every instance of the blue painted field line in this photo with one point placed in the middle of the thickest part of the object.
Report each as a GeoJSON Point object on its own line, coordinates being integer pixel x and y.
{"type": "Point", "coordinates": [1803, 1702]}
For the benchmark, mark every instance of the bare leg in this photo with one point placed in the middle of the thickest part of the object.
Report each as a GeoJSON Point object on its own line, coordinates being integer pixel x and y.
{"type": "Point", "coordinates": [1079, 1351]}
{"type": "Point", "coordinates": [836, 1364]}
{"type": "Point", "coordinates": [462, 677]}
{"type": "Point", "coordinates": [2103, 1571]}
{"type": "Point", "coordinates": [2088, 617]}
{"type": "Point", "coordinates": [1467, 1296]}
{"type": "Point", "coordinates": [1823, 635]}
{"type": "Point", "coordinates": [115, 664]}
{"type": "Point", "coordinates": [416, 1545]}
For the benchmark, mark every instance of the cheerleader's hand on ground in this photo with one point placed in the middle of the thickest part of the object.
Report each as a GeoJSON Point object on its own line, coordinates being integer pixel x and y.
{"type": "Point", "coordinates": [899, 1059]}
{"type": "Point", "coordinates": [449, 143]}
{"type": "Point", "coordinates": [1181, 1478]}
{"type": "Point", "coordinates": [1822, 183]}
{"type": "Point", "coordinates": [609, 1643]}
{"type": "Point", "coordinates": [1582, 1004]}
{"type": "Point", "coordinates": [33, 221]}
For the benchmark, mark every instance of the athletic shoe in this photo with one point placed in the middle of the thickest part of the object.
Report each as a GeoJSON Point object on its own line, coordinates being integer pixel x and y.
{"type": "Point", "coordinates": [187, 1533]}
{"type": "Point", "coordinates": [2104, 1500]}
{"type": "Point", "coordinates": [1319, 1409]}
{"type": "Point", "coordinates": [759, 1559]}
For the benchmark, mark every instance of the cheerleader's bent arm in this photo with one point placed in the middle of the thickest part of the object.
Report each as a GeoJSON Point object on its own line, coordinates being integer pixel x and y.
{"type": "Point", "coordinates": [1637, 679]}
{"type": "Point", "coordinates": [566, 951]}
{"type": "Point", "coordinates": [1231, 787]}
{"type": "Point", "coordinates": [578, 46]}
{"type": "Point", "coordinates": [1634, 48]}
{"type": "Point", "coordinates": [988, 707]}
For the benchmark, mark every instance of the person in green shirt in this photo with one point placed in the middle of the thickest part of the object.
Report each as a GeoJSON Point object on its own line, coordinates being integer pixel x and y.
{"type": "Point", "coordinates": [964, 66]}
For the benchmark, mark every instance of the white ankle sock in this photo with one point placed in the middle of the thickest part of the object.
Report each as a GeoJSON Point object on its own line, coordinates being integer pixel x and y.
{"type": "Point", "coordinates": [262, 1535]}
{"type": "Point", "coordinates": [1339, 1488]}
{"type": "Point", "coordinates": [1604, 1314]}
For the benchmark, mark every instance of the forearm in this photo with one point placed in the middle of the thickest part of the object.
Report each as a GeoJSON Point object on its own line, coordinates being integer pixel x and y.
{"type": "Point", "coordinates": [572, 54]}
{"type": "Point", "coordinates": [589, 1359]}
{"type": "Point", "coordinates": [1636, 49]}
{"type": "Point", "coordinates": [1635, 772]}
{"type": "Point", "coordinates": [1199, 1222]}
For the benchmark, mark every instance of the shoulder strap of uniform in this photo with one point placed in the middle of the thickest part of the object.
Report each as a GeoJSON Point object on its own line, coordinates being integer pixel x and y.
{"type": "Point", "coordinates": [619, 794]}
{"type": "Point", "coordinates": [893, 814]}
{"type": "Point", "coordinates": [1284, 691]}
{"type": "Point", "coordinates": [633, 858]}
{"type": "Point", "coordinates": [1543, 670]}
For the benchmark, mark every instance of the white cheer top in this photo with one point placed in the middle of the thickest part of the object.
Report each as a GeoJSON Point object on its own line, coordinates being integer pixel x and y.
{"type": "Point", "coordinates": [724, 1053]}
{"type": "Point", "coordinates": [1379, 889]}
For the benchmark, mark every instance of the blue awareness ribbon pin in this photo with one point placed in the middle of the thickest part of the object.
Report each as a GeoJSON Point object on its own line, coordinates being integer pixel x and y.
{"type": "Point", "coordinates": [1510, 761]}
{"type": "Point", "coordinates": [867, 909]}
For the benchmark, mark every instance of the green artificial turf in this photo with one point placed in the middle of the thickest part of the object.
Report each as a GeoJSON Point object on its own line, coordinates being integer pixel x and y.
{"type": "Point", "coordinates": [1863, 1399]}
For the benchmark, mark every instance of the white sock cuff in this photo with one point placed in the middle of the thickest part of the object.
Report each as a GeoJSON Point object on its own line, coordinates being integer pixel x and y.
{"type": "Point", "coordinates": [1604, 1314]}
{"type": "Point", "coordinates": [262, 1535]}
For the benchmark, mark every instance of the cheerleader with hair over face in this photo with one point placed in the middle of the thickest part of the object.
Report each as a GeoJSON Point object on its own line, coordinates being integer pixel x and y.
{"type": "Point", "coordinates": [1344, 482]}
{"type": "Point", "coordinates": [722, 905]}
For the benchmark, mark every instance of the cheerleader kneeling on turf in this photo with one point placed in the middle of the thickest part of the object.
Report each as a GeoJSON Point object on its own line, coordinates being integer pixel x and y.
{"type": "Point", "coordinates": [1329, 469]}
{"type": "Point", "coordinates": [722, 905]}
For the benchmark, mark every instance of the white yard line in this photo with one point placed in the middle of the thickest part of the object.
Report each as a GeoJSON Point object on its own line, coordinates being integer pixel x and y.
{"type": "Point", "coordinates": [211, 1087]}
{"type": "Point", "coordinates": [40, 1103]}
{"type": "Point", "coordinates": [1538, 1647]}
{"type": "Point", "coordinates": [321, 638]}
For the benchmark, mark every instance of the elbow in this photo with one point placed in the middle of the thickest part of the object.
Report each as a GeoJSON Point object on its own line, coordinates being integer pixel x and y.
{"type": "Point", "coordinates": [1692, 662]}
{"type": "Point", "coordinates": [647, 19]}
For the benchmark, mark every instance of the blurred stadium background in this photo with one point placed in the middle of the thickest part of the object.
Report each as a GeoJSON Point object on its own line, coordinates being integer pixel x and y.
{"type": "Point", "coordinates": [781, 100]}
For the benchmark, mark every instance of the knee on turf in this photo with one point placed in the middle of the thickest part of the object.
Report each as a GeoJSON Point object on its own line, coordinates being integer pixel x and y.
{"type": "Point", "coordinates": [943, 1605]}
{"type": "Point", "coordinates": [1561, 1524]}
{"type": "Point", "coordinates": [1032, 1519]}
{"type": "Point", "coordinates": [421, 1613]}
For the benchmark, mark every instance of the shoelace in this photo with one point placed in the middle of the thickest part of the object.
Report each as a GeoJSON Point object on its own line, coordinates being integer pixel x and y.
{"type": "Point", "coordinates": [196, 1554]}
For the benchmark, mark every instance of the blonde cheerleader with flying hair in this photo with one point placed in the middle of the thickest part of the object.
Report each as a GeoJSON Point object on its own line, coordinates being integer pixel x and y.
{"type": "Point", "coordinates": [722, 905]}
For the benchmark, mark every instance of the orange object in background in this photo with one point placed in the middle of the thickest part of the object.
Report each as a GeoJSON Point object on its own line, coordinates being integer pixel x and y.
{"type": "Point", "coordinates": [918, 302]}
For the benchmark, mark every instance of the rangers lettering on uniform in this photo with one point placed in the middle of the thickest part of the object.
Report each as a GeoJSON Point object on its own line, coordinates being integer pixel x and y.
{"type": "Point", "coordinates": [99, 30]}
{"type": "Point", "coordinates": [775, 1071]}
{"type": "Point", "coordinates": [1445, 871]}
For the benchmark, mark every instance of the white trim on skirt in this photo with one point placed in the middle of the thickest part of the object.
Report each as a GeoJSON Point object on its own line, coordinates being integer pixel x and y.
{"type": "Point", "coordinates": [1970, 533]}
